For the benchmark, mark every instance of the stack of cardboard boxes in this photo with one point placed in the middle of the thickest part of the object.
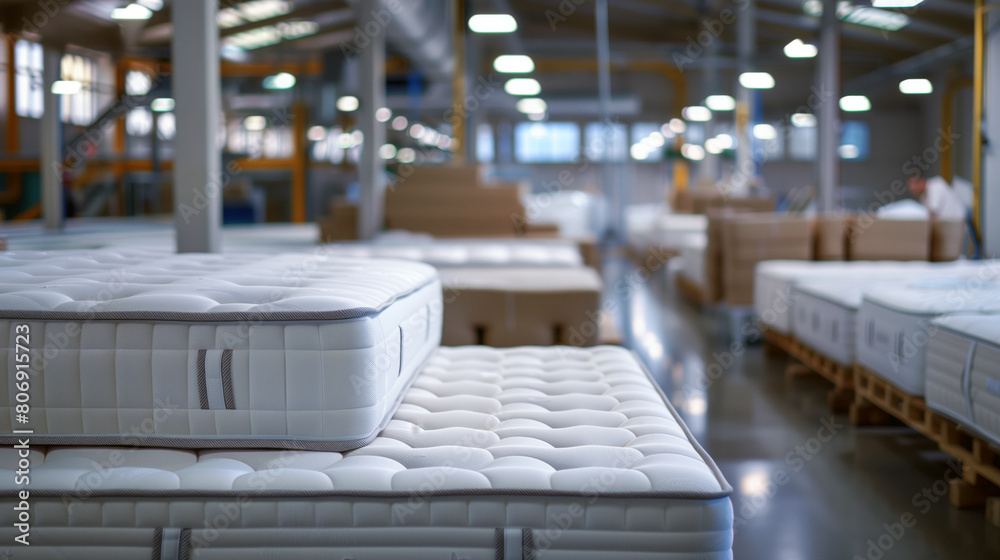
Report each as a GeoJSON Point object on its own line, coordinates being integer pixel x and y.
{"type": "Point", "coordinates": [750, 238]}
{"type": "Point", "coordinates": [453, 202]}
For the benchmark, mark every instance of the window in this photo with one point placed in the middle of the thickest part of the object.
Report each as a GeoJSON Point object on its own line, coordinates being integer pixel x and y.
{"type": "Point", "coordinates": [485, 147]}
{"type": "Point", "coordinates": [605, 144]}
{"type": "Point", "coordinates": [802, 143]}
{"type": "Point", "coordinates": [28, 80]}
{"type": "Point", "coordinates": [80, 108]}
{"type": "Point", "coordinates": [552, 142]}
{"type": "Point", "coordinates": [647, 141]}
{"type": "Point", "coordinates": [854, 141]}
{"type": "Point", "coordinates": [769, 141]}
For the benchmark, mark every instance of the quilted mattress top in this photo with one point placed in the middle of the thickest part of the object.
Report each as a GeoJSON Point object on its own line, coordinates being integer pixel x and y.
{"type": "Point", "coordinates": [127, 284]}
{"type": "Point", "coordinates": [578, 279]}
{"type": "Point", "coordinates": [449, 253]}
{"type": "Point", "coordinates": [810, 270]}
{"type": "Point", "coordinates": [981, 326]}
{"type": "Point", "coordinates": [478, 420]}
{"type": "Point", "coordinates": [937, 296]}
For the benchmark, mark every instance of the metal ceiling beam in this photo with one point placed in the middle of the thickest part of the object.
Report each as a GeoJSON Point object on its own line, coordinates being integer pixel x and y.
{"type": "Point", "coordinates": [912, 65]}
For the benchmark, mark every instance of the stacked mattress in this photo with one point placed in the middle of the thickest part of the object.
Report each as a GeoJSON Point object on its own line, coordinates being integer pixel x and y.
{"type": "Point", "coordinates": [894, 324]}
{"type": "Point", "coordinates": [963, 371]}
{"type": "Point", "coordinates": [470, 253]}
{"type": "Point", "coordinates": [272, 351]}
{"type": "Point", "coordinates": [824, 316]}
{"type": "Point", "coordinates": [222, 407]}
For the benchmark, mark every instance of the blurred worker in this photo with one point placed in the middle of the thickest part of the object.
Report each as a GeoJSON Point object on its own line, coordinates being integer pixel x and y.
{"type": "Point", "coordinates": [947, 202]}
{"type": "Point", "coordinates": [944, 201]}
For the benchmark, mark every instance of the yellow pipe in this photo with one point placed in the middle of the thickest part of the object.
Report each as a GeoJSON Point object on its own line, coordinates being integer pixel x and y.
{"type": "Point", "coordinates": [977, 116]}
{"type": "Point", "coordinates": [947, 105]}
{"type": "Point", "coordinates": [458, 85]}
{"type": "Point", "coordinates": [681, 176]}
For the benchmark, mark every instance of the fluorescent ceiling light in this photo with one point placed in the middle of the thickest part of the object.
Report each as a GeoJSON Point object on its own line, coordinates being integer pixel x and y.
{"type": "Point", "coordinates": [693, 152]}
{"type": "Point", "coordinates": [406, 155]}
{"type": "Point", "coordinates": [638, 151]}
{"type": "Point", "coordinates": [677, 126]}
{"type": "Point", "coordinates": [66, 87]}
{"type": "Point", "coordinates": [492, 23]}
{"type": "Point", "coordinates": [316, 133]}
{"type": "Point", "coordinates": [387, 151]}
{"type": "Point", "coordinates": [764, 132]}
{"type": "Point", "coordinates": [696, 113]}
{"type": "Point", "coordinates": [916, 86]}
{"type": "Point", "coordinates": [399, 123]}
{"type": "Point", "coordinates": [873, 17]}
{"type": "Point", "coordinates": [725, 141]}
{"type": "Point", "coordinates": [536, 116]}
{"type": "Point", "coordinates": [347, 103]}
{"type": "Point", "coordinates": [162, 104]}
{"type": "Point", "coordinates": [255, 123]}
{"type": "Point", "coordinates": [254, 10]}
{"type": "Point", "coordinates": [848, 151]}
{"type": "Point", "coordinates": [383, 114]}
{"type": "Point", "coordinates": [855, 103]}
{"type": "Point", "coordinates": [513, 64]}
{"type": "Point", "coordinates": [281, 80]}
{"type": "Point", "coordinates": [522, 86]}
{"type": "Point", "coordinates": [803, 120]}
{"type": "Point", "coordinates": [532, 105]}
{"type": "Point", "coordinates": [131, 12]}
{"type": "Point", "coordinates": [756, 80]}
{"type": "Point", "coordinates": [655, 139]}
{"type": "Point", "coordinates": [712, 146]}
{"type": "Point", "coordinates": [267, 35]}
{"type": "Point", "coordinates": [895, 3]}
{"type": "Point", "coordinates": [155, 5]}
{"type": "Point", "coordinates": [798, 49]}
{"type": "Point", "coordinates": [720, 102]}
{"type": "Point", "coordinates": [417, 131]}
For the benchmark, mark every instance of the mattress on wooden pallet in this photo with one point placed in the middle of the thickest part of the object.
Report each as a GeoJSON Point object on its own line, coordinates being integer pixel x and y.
{"type": "Point", "coordinates": [131, 347]}
{"type": "Point", "coordinates": [467, 253]}
{"type": "Point", "coordinates": [963, 371]}
{"type": "Point", "coordinates": [774, 281]}
{"type": "Point", "coordinates": [894, 328]}
{"type": "Point", "coordinates": [823, 316]}
{"type": "Point", "coordinates": [555, 452]}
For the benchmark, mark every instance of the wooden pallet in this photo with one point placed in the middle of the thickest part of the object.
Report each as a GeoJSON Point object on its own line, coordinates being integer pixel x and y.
{"type": "Point", "coordinates": [980, 483]}
{"type": "Point", "coordinates": [842, 377]}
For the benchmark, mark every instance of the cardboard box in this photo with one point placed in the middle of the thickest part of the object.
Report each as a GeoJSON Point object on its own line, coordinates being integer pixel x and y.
{"type": "Point", "coordinates": [438, 175]}
{"type": "Point", "coordinates": [873, 239]}
{"type": "Point", "coordinates": [705, 198]}
{"type": "Point", "coordinates": [454, 211]}
{"type": "Point", "coordinates": [831, 237]}
{"type": "Point", "coordinates": [521, 306]}
{"type": "Point", "coordinates": [947, 240]}
{"type": "Point", "coordinates": [749, 238]}
{"type": "Point", "coordinates": [341, 225]}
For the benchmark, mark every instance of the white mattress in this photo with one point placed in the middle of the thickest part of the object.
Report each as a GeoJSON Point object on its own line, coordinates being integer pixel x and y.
{"type": "Point", "coordinates": [693, 249]}
{"type": "Point", "coordinates": [774, 280]}
{"type": "Point", "coordinates": [195, 350]}
{"type": "Point", "coordinates": [893, 325]}
{"type": "Point", "coordinates": [823, 317]}
{"type": "Point", "coordinates": [468, 253]}
{"type": "Point", "coordinates": [963, 371]}
{"type": "Point", "coordinates": [566, 452]}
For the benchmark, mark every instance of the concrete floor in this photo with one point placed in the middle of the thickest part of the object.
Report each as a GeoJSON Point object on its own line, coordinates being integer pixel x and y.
{"type": "Point", "coordinates": [807, 485]}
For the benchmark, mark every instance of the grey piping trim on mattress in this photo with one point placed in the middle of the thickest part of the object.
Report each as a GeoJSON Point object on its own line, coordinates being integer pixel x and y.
{"type": "Point", "coordinates": [726, 488]}
{"type": "Point", "coordinates": [227, 379]}
{"type": "Point", "coordinates": [498, 540]}
{"type": "Point", "coordinates": [967, 378]}
{"type": "Point", "coordinates": [527, 544]}
{"type": "Point", "coordinates": [202, 382]}
{"type": "Point", "coordinates": [184, 549]}
{"type": "Point", "coordinates": [157, 544]}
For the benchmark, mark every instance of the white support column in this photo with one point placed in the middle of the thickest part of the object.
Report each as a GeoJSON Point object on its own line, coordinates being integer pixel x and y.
{"type": "Point", "coordinates": [51, 136]}
{"type": "Point", "coordinates": [371, 170]}
{"type": "Point", "coordinates": [197, 155]}
{"type": "Point", "coordinates": [746, 45]}
{"type": "Point", "coordinates": [828, 85]}
{"type": "Point", "coordinates": [989, 215]}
